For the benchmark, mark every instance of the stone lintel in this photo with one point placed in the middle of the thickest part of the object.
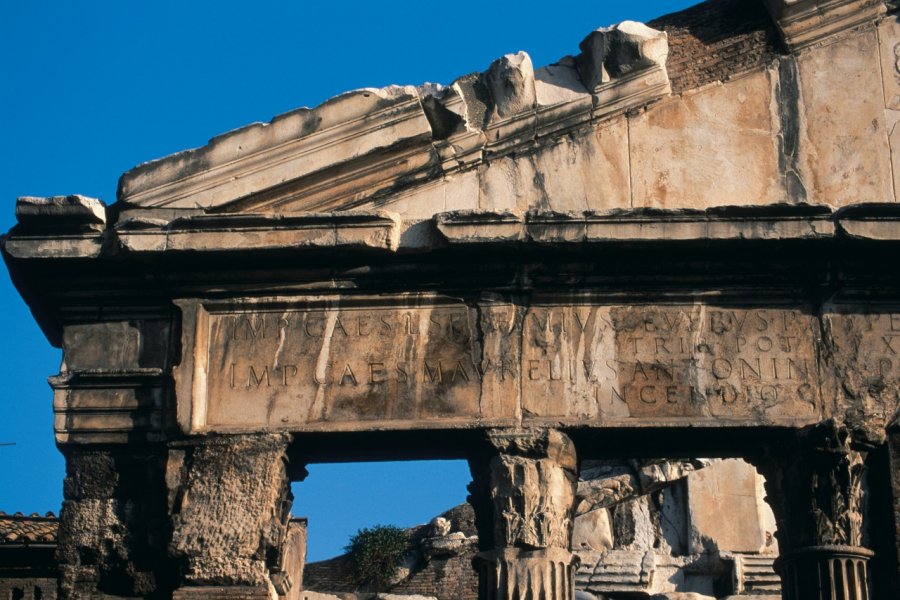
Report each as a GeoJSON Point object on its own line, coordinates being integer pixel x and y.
{"type": "Point", "coordinates": [249, 231]}
{"type": "Point", "coordinates": [805, 22]}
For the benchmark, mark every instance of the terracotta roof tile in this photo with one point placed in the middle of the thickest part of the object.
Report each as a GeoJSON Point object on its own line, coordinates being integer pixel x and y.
{"type": "Point", "coordinates": [28, 529]}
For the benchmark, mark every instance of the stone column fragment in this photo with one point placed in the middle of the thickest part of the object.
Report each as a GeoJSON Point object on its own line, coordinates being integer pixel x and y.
{"type": "Point", "coordinates": [113, 526]}
{"type": "Point", "coordinates": [814, 486]}
{"type": "Point", "coordinates": [523, 493]}
{"type": "Point", "coordinates": [230, 502]}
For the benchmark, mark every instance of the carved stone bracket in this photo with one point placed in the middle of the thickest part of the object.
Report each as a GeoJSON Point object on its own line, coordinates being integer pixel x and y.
{"type": "Point", "coordinates": [814, 486]}
{"type": "Point", "coordinates": [523, 492]}
{"type": "Point", "coordinates": [230, 500]}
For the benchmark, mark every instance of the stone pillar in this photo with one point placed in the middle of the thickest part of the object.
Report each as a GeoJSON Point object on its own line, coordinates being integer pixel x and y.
{"type": "Point", "coordinates": [523, 493]}
{"type": "Point", "coordinates": [230, 500]}
{"type": "Point", "coordinates": [814, 488]}
{"type": "Point", "coordinates": [893, 444]}
{"type": "Point", "coordinates": [113, 525]}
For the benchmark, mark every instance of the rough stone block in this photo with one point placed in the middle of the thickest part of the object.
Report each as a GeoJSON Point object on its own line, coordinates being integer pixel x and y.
{"type": "Point", "coordinates": [61, 211]}
{"type": "Point", "coordinates": [511, 82]}
{"type": "Point", "coordinates": [617, 51]}
{"type": "Point", "coordinates": [726, 487]}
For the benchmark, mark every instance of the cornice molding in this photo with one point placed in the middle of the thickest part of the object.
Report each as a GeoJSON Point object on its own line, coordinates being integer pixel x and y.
{"type": "Point", "coordinates": [806, 22]}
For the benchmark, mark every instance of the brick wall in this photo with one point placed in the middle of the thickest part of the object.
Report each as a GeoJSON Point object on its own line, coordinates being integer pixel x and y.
{"type": "Point", "coordinates": [24, 588]}
{"type": "Point", "coordinates": [716, 40]}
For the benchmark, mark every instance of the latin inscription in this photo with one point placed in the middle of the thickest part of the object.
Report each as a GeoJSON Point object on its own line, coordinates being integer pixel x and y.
{"type": "Point", "coordinates": [504, 362]}
{"type": "Point", "coordinates": [866, 354]}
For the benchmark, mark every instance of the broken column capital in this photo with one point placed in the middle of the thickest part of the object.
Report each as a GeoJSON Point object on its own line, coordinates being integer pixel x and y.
{"type": "Point", "coordinates": [805, 22]}
{"type": "Point", "coordinates": [523, 493]}
{"type": "Point", "coordinates": [814, 486]}
{"type": "Point", "coordinates": [510, 80]}
{"type": "Point", "coordinates": [613, 52]}
{"type": "Point", "coordinates": [535, 443]}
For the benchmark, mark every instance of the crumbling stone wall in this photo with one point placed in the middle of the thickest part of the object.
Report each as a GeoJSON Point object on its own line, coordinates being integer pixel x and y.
{"type": "Point", "coordinates": [114, 525]}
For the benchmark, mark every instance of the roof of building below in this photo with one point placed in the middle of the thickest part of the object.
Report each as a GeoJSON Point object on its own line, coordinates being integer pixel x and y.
{"type": "Point", "coordinates": [28, 529]}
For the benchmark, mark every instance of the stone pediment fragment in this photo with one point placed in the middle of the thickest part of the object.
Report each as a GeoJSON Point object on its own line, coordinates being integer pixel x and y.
{"type": "Point", "coordinates": [805, 22]}
{"type": "Point", "coordinates": [363, 147]}
{"type": "Point", "coordinates": [264, 156]}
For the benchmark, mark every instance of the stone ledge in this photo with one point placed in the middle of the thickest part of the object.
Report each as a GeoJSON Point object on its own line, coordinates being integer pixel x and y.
{"type": "Point", "coordinates": [870, 222]}
{"type": "Point", "coordinates": [61, 211]}
{"type": "Point", "coordinates": [57, 227]}
{"type": "Point", "coordinates": [230, 232]}
{"type": "Point", "coordinates": [358, 231]}
{"type": "Point", "coordinates": [778, 222]}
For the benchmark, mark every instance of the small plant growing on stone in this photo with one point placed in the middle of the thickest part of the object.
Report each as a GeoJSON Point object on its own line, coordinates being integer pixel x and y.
{"type": "Point", "coordinates": [377, 554]}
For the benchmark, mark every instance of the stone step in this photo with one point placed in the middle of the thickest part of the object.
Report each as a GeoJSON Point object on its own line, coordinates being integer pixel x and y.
{"type": "Point", "coordinates": [759, 576]}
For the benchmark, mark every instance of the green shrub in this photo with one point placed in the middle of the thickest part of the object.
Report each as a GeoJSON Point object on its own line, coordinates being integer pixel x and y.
{"type": "Point", "coordinates": [377, 554]}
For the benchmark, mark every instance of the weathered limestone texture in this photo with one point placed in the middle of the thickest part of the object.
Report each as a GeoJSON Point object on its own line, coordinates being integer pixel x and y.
{"type": "Point", "coordinates": [61, 226]}
{"type": "Point", "coordinates": [523, 492]}
{"type": "Point", "coordinates": [708, 147]}
{"type": "Point", "coordinates": [844, 156]}
{"type": "Point", "coordinates": [677, 242]}
{"type": "Point", "coordinates": [815, 489]}
{"type": "Point", "coordinates": [113, 524]}
{"type": "Point", "coordinates": [889, 40]}
{"type": "Point", "coordinates": [647, 527]}
{"type": "Point", "coordinates": [732, 484]}
{"type": "Point", "coordinates": [114, 384]}
{"type": "Point", "coordinates": [230, 501]}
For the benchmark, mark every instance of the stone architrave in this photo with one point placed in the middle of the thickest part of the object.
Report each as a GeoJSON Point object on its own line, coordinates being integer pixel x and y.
{"type": "Point", "coordinates": [815, 489]}
{"type": "Point", "coordinates": [523, 493]}
{"type": "Point", "coordinates": [230, 508]}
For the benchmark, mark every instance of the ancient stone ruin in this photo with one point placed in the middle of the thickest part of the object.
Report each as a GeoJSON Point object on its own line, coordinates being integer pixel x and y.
{"type": "Point", "coordinates": [679, 244]}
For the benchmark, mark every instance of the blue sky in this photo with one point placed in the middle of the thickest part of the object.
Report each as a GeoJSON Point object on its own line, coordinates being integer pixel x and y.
{"type": "Point", "coordinates": [90, 89]}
